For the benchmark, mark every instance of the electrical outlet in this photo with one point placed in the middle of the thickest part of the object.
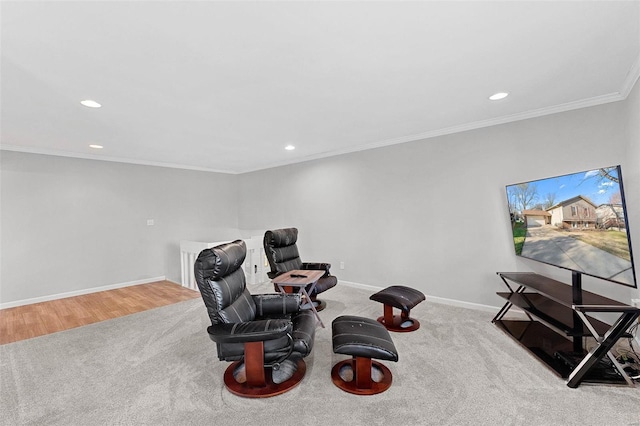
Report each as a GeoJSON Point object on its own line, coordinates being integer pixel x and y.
{"type": "Point", "coordinates": [341, 265]}
{"type": "Point", "coordinates": [150, 222]}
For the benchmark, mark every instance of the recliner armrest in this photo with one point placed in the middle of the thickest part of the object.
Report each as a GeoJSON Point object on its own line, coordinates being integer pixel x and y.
{"type": "Point", "coordinates": [322, 266]}
{"type": "Point", "coordinates": [251, 331]}
{"type": "Point", "coordinates": [276, 304]}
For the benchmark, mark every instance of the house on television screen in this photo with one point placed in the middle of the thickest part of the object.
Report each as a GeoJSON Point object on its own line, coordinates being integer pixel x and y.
{"type": "Point", "coordinates": [610, 216]}
{"type": "Point", "coordinates": [536, 217]}
{"type": "Point", "coordinates": [576, 212]}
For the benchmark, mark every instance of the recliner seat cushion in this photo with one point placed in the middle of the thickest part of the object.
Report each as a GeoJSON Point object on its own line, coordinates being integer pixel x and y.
{"type": "Point", "coordinates": [325, 283]}
{"type": "Point", "coordinates": [303, 334]}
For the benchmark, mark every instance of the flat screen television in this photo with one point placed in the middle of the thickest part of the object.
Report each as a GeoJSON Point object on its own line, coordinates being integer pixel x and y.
{"type": "Point", "coordinates": [577, 222]}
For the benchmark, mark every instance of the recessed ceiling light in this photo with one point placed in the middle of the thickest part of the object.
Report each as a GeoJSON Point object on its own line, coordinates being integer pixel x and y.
{"type": "Point", "coordinates": [498, 96]}
{"type": "Point", "coordinates": [289, 147]}
{"type": "Point", "coordinates": [95, 146]}
{"type": "Point", "coordinates": [91, 104]}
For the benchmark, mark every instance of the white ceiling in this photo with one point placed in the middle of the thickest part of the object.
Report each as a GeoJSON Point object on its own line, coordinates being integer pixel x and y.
{"type": "Point", "coordinates": [224, 86]}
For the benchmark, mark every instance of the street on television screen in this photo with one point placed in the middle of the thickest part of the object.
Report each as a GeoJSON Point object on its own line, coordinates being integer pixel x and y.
{"type": "Point", "coordinates": [576, 221]}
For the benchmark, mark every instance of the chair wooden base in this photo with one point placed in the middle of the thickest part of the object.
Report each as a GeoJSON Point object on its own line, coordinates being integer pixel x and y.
{"type": "Point", "coordinates": [362, 383]}
{"type": "Point", "coordinates": [266, 388]}
{"type": "Point", "coordinates": [258, 383]}
{"type": "Point", "coordinates": [398, 323]}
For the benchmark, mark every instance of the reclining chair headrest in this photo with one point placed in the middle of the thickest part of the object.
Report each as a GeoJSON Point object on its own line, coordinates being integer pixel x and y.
{"type": "Point", "coordinates": [281, 237]}
{"type": "Point", "coordinates": [220, 261]}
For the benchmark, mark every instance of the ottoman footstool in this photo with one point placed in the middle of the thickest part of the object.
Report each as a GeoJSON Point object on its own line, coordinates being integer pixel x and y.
{"type": "Point", "coordinates": [403, 298]}
{"type": "Point", "coordinates": [363, 339]}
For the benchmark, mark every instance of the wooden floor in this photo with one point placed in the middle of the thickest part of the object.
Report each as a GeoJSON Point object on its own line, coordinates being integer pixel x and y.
{"type": "Point", "coordinates": [24, 322]}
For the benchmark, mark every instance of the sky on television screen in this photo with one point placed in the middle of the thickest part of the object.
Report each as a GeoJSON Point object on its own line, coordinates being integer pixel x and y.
{"type": "Point", "coordinates": [589, 184]}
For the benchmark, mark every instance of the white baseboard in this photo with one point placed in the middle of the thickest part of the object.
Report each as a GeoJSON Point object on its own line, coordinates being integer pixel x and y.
{"type": "Point", "coordinates": [453, 302]}
{"type": "Point", "coordinates": [467, 305]}
{"type": "Point", "coordinates": [358, 285]}
{"type": "Point", "coordinates": [77, 292]}
{"type": "Point", "coordinates": [435, 299]}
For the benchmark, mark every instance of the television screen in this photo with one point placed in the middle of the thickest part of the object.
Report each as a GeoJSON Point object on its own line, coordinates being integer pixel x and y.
{"type": "Point", "coordinates": [576, 221]}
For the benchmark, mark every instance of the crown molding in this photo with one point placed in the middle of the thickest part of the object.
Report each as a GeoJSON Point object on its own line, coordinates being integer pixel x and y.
{"type": "Point", "coordinates": [627, 86]}
{"type": "Point", "coordinates": [569, 106]}
{"type": "Point", "coordinates": [631, 79]}
{"type": "Point", "coordinates": [59, 153]}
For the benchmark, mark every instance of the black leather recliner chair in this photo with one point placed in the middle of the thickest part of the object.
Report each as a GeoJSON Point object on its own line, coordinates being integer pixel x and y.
{"type": "Point", "coordinates": [283, 256]}
{"type": "Point", "coordinates": [266, 336]}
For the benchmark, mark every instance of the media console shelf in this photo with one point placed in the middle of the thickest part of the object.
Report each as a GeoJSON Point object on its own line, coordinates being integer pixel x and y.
{"type": "Point", "coordinates": [558, 321]}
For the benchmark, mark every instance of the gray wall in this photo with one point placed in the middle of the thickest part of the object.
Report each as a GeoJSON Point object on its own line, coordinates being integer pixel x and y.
{"type": "Point", "coordinates": [632, 176]}
{"type": "Point", "coordinates": [71, 224]}
{"type": "Point", "coordinates": [432, 214]}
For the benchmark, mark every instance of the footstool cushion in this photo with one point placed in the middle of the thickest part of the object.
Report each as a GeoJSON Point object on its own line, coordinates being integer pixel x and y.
{"type": "Point", "coordinates": [399, 296]}
{"type": "Point", "coordinates": [363, 339]}
{"type": "Point", "coordinates": [403, 298]}
{"type": "Point", "coordinates": [359, 336]}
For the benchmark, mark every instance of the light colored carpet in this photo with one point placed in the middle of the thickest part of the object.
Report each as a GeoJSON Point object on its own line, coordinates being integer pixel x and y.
{"type": "Point", "coordinates": [159, 367]}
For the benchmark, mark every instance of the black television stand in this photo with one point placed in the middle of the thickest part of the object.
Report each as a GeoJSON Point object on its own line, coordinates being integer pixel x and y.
{"type": "Point", "coordinates": [557, 322]}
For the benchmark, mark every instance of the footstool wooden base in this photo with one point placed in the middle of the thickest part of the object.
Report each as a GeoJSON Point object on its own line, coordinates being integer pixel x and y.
{"type": "Point", "coordinates": [363, 339]}
{"type": "Point", "coordinates": [403, 298]}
